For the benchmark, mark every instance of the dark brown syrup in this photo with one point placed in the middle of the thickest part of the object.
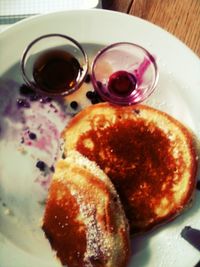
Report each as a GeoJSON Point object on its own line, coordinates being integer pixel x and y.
{"type": "Point", "coordinates": [56, 71]}
{"type": "Point", "coordinates": [66, 234]}
{"type": "Point", "coordinates": [131, 156]}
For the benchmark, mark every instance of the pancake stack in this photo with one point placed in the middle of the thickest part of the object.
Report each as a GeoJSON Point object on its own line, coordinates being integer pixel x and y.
{"type": "Point", "coordinates": [84, 219]}
{"type": "Point", "coordinates": [147, 155]}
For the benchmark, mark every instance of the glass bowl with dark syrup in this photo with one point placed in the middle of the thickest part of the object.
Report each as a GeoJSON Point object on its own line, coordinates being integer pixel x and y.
{"type": "Point", "coordinates": [54, 64]}
{"type": "Point", "coordinates": [124, 73]}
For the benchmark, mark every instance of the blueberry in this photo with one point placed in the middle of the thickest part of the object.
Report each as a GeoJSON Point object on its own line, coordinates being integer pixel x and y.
{"type": "Point", "coordinates": [95, 100]}
{"type": "Point", "coordinates": [32, 136]}
{"type": "Point", "coordinates": [23, 103]}
{"type": "Point", "coordinates": [34, 97]}
{"type": "Point", "coordinates": [26, 90]}
{"type": "Point", "coordinates": [52, 169]}
{"type": "Point", "coordinates": [41, 165]}
{"type": "Point", "coordinates": [46, 99]}
{"type": "Point", "coordinates": [88, 78]}
{"type": "Point", "coordinates": [74, 105]}
{"type": "Point", "coordinates": [90, 95]}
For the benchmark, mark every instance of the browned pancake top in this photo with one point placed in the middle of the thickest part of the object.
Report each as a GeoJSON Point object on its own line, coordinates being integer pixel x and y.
{"type": "Point", "coordinates": [138, 159]}
{"type": "Point", "coordinates": [61, 226]}
{"type": "Point", "coordinates": [83, 219]}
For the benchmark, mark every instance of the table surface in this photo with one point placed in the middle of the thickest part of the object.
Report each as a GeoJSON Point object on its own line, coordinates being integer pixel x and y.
{"type": "Point", "coordinates": [179, 17]}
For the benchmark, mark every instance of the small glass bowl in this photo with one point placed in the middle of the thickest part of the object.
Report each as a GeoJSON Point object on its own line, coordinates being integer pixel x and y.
{"type": "Point", "coordinates": [130, 68]}
{"type": "Point", "coordinates": [47, 44]}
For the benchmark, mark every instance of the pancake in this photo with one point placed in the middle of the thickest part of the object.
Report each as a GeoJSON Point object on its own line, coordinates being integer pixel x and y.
{"type": "Point", "coordinates": [84, 219]}
{"type": "Point", "coordinates": [149, 156]}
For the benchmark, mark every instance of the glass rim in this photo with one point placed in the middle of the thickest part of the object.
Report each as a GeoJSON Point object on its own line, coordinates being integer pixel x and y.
{"type": "Point", "coordinates": [33, 85]}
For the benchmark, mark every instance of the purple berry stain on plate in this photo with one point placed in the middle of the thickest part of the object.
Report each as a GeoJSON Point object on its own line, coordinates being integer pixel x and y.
{"type": "Point", "coordinates": [32, 123]}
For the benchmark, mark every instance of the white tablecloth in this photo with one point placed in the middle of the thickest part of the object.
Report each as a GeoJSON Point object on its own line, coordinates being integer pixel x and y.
{"type": "Point", "coordinates": [12, 11]}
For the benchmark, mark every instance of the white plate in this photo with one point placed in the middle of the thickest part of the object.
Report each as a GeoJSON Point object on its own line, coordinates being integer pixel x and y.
{"type": "Point", "coordinates": [22, 243]}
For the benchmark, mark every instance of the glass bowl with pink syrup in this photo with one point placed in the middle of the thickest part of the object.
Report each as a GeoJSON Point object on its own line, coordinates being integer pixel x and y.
{"type": "Point", "coordinates": [124, 73]}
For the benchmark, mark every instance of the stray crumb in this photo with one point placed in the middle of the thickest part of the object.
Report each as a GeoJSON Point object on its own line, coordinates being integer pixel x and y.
{"type": "Point", "coordinates": [137, 111]}
{"type": "Point", "coordinates": [22, 150]}
{"type": "Point", "coordinates": [8, 211]}
{"type": "Point", "coordinates": [42, 202]}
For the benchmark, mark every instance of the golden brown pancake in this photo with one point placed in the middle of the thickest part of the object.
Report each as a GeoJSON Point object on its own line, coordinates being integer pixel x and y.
{"type": "Point", "coordinates": [149, 156]}
{"type": "Point", "coordinates": [84, 220]}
